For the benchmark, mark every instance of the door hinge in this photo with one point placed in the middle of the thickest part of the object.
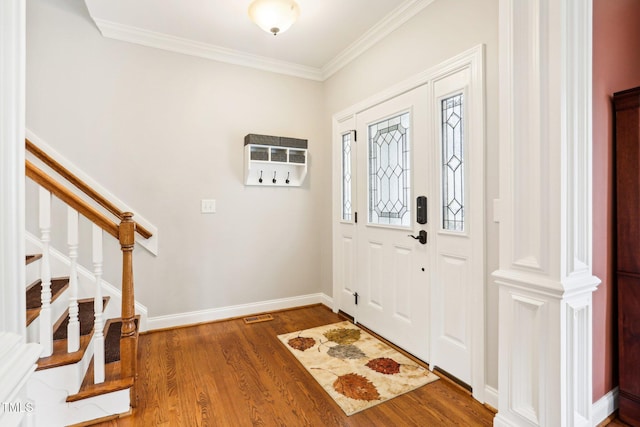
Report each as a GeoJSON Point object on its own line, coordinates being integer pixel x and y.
{"type": "Point", "coordinates": [355, 217]}
{"type": "Point", "coordinates": [356, 297]}
{"type": "Point", "coordinates": [355, 135]}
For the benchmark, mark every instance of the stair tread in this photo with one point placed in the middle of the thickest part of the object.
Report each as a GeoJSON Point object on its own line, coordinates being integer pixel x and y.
{"type": "Point", "coordinates": [60, 357]}
{"type": "Point", "coordinates": [34, 296]}
{"type": "Point", "coordinates": [99, 389]}
{"type": "Point", "coordinates": [32, 258]}
{"type": "Point", "coordinates": [112, 382]}
{"type": "Point", "coordinates": [86, 316]}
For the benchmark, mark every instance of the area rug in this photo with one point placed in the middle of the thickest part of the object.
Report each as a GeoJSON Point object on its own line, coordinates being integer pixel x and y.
{"type": "Point", "coordinates": [356, 369]}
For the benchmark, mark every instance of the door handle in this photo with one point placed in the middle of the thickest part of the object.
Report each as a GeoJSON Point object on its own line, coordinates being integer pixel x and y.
{"type": "Point", "coordinates": [421, 237]}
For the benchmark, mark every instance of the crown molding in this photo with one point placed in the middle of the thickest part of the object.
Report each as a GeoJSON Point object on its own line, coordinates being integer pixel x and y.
{"type": "Point", "coordinates": [148, 38]}
{"type": "Point", "coordinates": [383, 28]}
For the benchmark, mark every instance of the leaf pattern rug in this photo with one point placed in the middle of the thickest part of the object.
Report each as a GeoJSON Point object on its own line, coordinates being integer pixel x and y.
{"type": "Point", "coordinates": [356, 369]}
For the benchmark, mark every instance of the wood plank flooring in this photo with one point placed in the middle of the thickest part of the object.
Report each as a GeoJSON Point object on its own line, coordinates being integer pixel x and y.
{"type": "Point", "coordinates": [233, 374]}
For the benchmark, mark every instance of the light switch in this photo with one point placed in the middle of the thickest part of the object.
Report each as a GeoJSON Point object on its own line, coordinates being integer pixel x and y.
{"type": "Point", "coordinates": [208, 206]}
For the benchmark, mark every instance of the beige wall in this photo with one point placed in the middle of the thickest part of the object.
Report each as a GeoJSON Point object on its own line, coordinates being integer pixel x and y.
{"type": "Point", "coordinates": [161, 131]}
{"type": "Point", "coordinates": [443, 30]}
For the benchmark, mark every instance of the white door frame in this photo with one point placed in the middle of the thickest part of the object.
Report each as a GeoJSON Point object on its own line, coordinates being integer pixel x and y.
{"type": "Point", "coordinates": [473, 59]}
{"type": "Point", "coordinates": [12, 124]}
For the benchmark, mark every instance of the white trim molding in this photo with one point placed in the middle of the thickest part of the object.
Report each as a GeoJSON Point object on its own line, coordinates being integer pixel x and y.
{"type": "Point", "coordinates": [222, 313]}
{"type": "Point", "coordinates": [388, 24]}
{"type": "Point", "coordinates": [12, 119]}
{"type": "Point", "coordinates": [127, 33]}
{"type": "Point", "coordinates": [382, 29]}
{"type": "Point", "coordinates": [150, 244]}
{"type": "Point", "coordinates": [545, 280]}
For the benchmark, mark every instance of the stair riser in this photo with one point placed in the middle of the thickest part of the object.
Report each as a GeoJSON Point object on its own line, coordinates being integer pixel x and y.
{"type": "Point", "coordinates": [53, 410]}
{"type": "Point", "coordinates": [67, 377]}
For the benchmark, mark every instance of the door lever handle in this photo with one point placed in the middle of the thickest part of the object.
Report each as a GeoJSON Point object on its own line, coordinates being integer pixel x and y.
{"type": "Point", "coordinates": [421, 237]}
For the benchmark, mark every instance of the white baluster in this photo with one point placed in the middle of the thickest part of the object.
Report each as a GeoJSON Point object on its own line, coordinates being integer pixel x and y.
{"type": "Point", "coordinates": [98, 338]}
{"type": "Point", "coordinates": [73, 328]}
{"type": "Point", "coordinates": [46, 325]}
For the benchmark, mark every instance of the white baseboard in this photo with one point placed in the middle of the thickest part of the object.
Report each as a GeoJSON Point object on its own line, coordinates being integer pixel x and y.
{"type": "Point", "coordinates": [193, 317]}
{"type": "Point", "coordinates": [326, 300]}
{"type": "Point", "coordinates": [491, 396]}
{"type": "Point", "coordinates": [604, 407]}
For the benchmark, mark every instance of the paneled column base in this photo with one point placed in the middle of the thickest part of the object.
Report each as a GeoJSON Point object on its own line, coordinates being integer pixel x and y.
{"type": "Point", "coordinates": [545, 347]}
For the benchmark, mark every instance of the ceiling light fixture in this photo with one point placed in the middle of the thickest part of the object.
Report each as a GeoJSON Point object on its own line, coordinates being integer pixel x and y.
{"type": "Point", "coordinates": [274, 16]}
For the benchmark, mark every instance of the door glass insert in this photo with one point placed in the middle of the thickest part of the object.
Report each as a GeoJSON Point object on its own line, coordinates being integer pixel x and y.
{"type": "Point", "coordinates": [389, 172]}
{"type": "Point", "coordinates": [346, 176]}
{"type": "Point", "coordinates": [452, 164]}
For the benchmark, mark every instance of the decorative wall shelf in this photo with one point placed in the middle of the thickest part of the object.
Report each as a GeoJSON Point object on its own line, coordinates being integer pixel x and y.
{"type": "Point", "coordinates": [275, 160]}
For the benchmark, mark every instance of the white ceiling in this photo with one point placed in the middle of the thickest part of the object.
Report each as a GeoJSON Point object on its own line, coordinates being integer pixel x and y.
{"type": "Point", "coordinates": [328, 34]}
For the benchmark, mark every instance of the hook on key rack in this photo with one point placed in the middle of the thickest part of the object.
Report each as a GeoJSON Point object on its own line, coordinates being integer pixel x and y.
{"type": "Point", "coordinates": [260, 179]}
{"type": "Point", "coordinates": [274, 177]}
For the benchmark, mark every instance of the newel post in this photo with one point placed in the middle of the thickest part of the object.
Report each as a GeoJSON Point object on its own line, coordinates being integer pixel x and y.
{"type": "Point", "coordinates": [129, 334]}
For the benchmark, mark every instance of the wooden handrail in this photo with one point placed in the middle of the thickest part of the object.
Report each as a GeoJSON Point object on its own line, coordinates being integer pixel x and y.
{"type": "Point", "coordinates": [71, 199]}
{"type": "Point", "coordinates": [81, 185]}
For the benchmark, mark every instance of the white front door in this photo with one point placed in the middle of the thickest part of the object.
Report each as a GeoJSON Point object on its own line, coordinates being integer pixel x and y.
{"type": "Point", "coordinates": [426, 141]}
{"type": "Point", "coordinates": [392, 272]}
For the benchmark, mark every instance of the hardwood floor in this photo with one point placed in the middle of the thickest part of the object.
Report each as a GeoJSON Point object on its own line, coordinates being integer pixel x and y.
{"type": "Point", "coordinates": [232, 374]}
{"type": "Point", "coordinates": [615, 423]}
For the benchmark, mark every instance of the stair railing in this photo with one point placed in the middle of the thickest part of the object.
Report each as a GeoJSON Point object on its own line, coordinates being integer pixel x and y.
{"type": "Point", "coordinates": [124, 231]}
{"type": "Point", "coordinates": [81, 185]}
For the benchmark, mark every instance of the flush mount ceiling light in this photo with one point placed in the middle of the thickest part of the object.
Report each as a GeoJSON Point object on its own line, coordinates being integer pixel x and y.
{"type": "Point", "coordinates": [274, 16]}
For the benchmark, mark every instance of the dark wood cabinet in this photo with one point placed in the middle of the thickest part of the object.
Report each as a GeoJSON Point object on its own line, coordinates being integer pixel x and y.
{"type": "Point", "coordinates": [627, 172]}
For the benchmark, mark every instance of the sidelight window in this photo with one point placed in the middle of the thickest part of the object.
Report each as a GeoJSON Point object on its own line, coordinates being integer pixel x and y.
{"type": "Point", "coordinates": [346, 176]}
{"type": "Point", "coordinates": [452, 163]}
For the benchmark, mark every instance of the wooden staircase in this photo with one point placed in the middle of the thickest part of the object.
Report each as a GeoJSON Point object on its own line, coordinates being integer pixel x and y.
{"type": "Point", "coordinates": [88, 367]}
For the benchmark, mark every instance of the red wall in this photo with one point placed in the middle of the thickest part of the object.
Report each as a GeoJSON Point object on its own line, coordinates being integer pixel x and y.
{"type": "Point", "coordinates": [616, 66]}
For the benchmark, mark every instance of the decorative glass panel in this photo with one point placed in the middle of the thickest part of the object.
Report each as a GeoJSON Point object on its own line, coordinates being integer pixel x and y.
{"type": "Point", "coordinates": [452, 164]}
{"type": "Point", "coordinates": [389, 174]}
{"type": "Point", "coordinates": [346, 176]}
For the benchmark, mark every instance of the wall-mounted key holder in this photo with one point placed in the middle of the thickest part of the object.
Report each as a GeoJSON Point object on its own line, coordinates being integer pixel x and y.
{"type": "Point", "coordinates": [275, 160]}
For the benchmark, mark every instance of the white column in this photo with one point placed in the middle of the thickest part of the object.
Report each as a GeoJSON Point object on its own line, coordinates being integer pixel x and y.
{"type": "Point", "coordinates": [12, 227]}
{"type": "Point", "coordinates": [545, 281]}
{"type": "Point", "coordinates": [73, 327]}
